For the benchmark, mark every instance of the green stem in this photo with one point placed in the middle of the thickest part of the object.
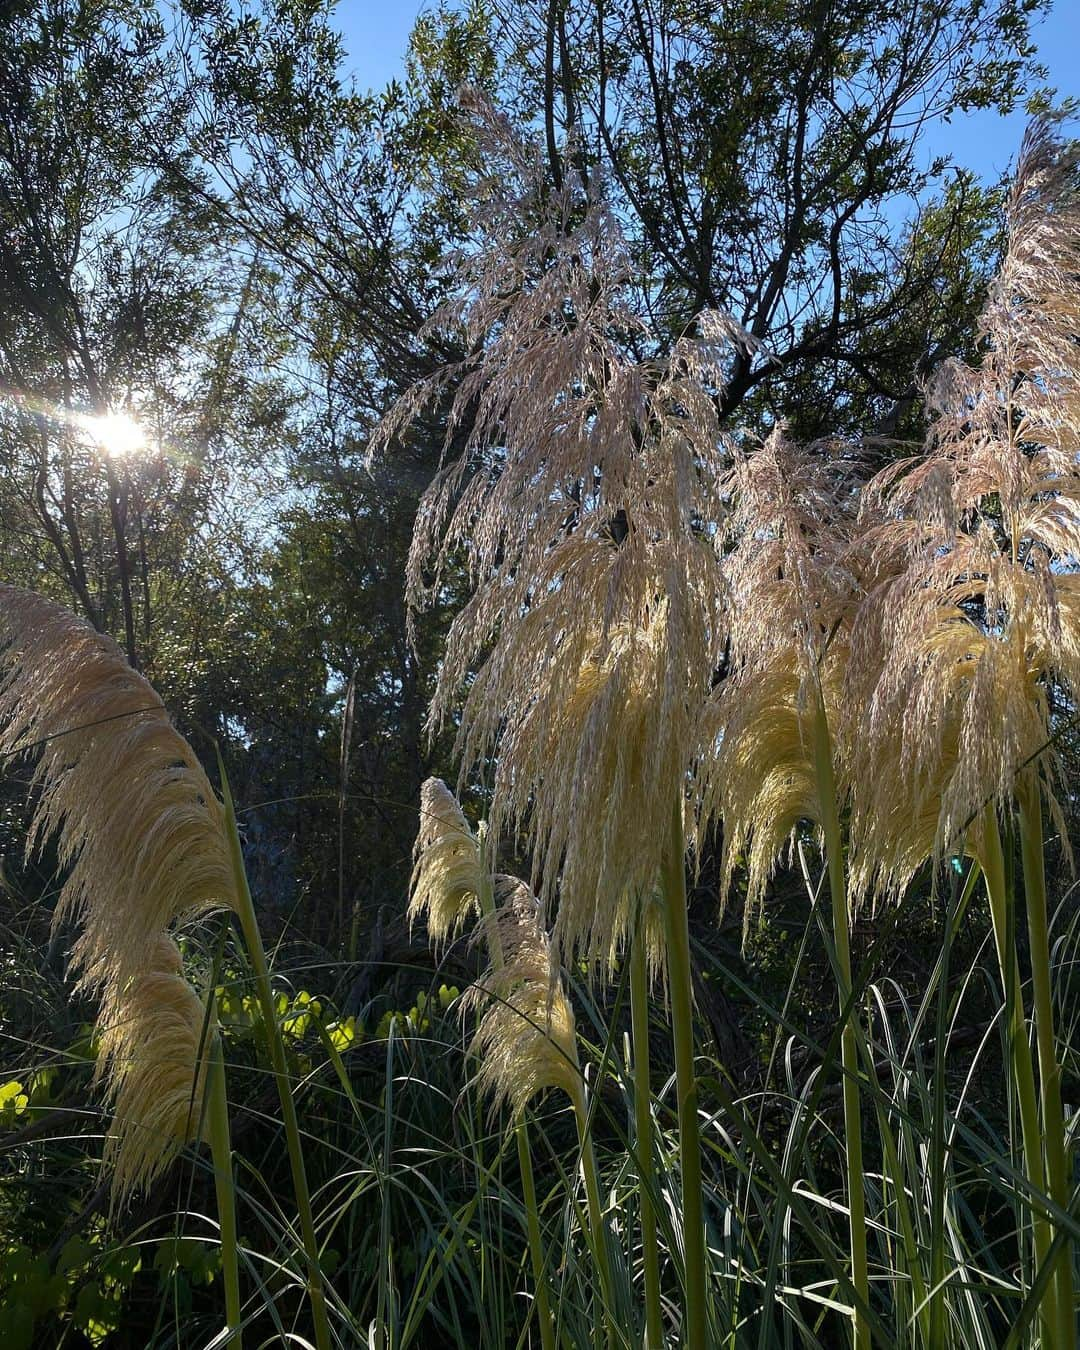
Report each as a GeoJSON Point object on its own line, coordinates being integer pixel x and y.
{"type": "Point", "coordinates": [1053, 1117]}
{"type": "Point", "coordinates": [275, 1045]}
{"type": "Point", "coordinates": [594, 1204]}
{"type": "Point", "coordinates": [536, 1246]}
{"type": "Point", "coordinates": [521, 1136]}
{"type": "Point", "coordinates": [993, 864]}
{"type": "Point", "coordinates": [682, 1026]}
{"type": "Point", "coordinates": [891, 1171]}
{"type": "Point", "coordinates": [849, 1054]}
{"type": "Point", "coordinates": [937, 1145]}
{"type": "Point", "coordinates": [650, 1252]}
{"type": "Point", "coordinates": [217, 1124]}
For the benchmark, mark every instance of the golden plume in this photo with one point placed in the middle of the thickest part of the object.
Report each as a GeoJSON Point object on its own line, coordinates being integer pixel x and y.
{"type": "Point", "coordinates": [593, 751]}
{"type": "Point", "coordinates": [795, 578]}
{"type": "Point", "coordinates": [583, 502]}
{"type": "Point", "coordinates": [929, 757]}
{"type": "Point", "coordinates": [152, 1058]}
{"type": "Point", "coordinates": [760, 781]}
{"type": "Point", "coordinates": [525, 1040]}
{"type": "Point", "coordinates": [447, 870]}
{"type": "Point", "coordinates": [952, 656]}
{"type": "Point", "coordinates": [525, 1037]}
{"type": "Point", "coordinates": [142, 837]}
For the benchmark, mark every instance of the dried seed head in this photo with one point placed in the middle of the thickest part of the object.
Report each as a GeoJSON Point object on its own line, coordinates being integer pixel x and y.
{"type": "Point", "coordinates": [525, 1041]}
{"type": "Point", "coordinates": [153, 1059]}
{"type": "Point", "coordinates": [592, 752]}
{"type": "Point", "coordinates": [447, 869]}
{"type": "Point", "coordinates": [142, 836]}
{"type": "Point", "coordinates": [941, 742]}
{"type": "Point", "coordinates": [140, 829]}
{"type": "Point", "coordinates": [897, 808]}
{"type": "Point", "coordinates": [790, 574]}
{"type": "Point", "coordinates": [1014, 419]}
{"type": "Point", "coordinates": [953, 656]}
{"type": "Point", "coordinates": [760, 781]}
{"type": "Point", "coordinates": [582, 487]}
{"type": "Point", "coordinates": [795, 578]}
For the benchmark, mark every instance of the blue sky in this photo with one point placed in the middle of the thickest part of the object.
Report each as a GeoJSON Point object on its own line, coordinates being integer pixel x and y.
{"type": "Point", "coordinates": [376, 33]}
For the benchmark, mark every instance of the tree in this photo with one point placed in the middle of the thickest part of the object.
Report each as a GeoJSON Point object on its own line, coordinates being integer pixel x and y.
{"type": "Point", "coordinates": [766, 156]}
{"type": "Point", "coordinates": [114, 293]}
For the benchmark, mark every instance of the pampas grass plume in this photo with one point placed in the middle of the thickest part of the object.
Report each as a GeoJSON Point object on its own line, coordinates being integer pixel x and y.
{"type": "Point", "coordinates": [142, 837]}
{"type": "Point", "coordinates": [447, 870]}
{"type": "Point", "coordinates": [525, 1040]}
{"type": "Point", "coordinates": [152, 1058]}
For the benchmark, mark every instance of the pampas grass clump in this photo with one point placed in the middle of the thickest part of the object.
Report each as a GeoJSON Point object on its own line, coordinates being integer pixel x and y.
{"type": "Point", "coordinates": [142, 837]}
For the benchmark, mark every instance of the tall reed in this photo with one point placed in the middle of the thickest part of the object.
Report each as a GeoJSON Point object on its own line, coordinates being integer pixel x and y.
{"type": "Point", "coordinates": [145, 843]}
{"type": "Point", "coordinates": [643, 1120]}
{"type": "Point", "coordinates": [582, 658]}
{"type": "Point", "coordinates": [982, 620]}
{"type": "Point", "coordinates": [141, 837]}
{"type": "Point", "coordinates": [771, 754]}
{"type": "Point", "coordinates": [450, 882]}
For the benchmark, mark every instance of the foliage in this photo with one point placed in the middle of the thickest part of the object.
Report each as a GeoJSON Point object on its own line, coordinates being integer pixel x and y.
{"type": "Point", "coordinates": [203, 223]}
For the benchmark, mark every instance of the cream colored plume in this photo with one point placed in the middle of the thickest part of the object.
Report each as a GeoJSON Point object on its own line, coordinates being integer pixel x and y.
{"type": "Point", "coordinates": [525, 1041]}
{"type": "Point", "coordinates": [952, 657]}
{"type": "Point", "coordinates": [951, 741]}
{"type": "Point", "coordinates": [447, 870]}
{"type": "Point", "coordinates": [592, 739]}
{"type": "Point", "coordinates": [153, 1056]}
{"type": "Point", "coordinates": [795, 580]}
{"type": "Point", "coordinates": [761, 780]}
{"type": "Point", "coordinates": [584, 502]}
{"type": "Point", "coordinates": [140, 834]}
{"type": "Point", "coordinates": [794, 572]}
{"type": "Point", "coordinates": [897, 811]}
{"type": "Point", "coordinates": [140, 829]}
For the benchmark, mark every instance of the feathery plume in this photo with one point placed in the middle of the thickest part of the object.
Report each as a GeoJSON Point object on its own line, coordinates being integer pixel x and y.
{"type": "Point", "coordinates": [447, 871]}
{"type": "Point", "coordinates": [142, 837]}
{"type": "Point", "coordinates": [795, 577]}
{"type": "Point", "coordinates": [933, 756]}
{"type": "Point", "coordinates": [140, 829]}
{"type": "Point", "coordinates": [153, 1061]}
{"type": "Point", "coordinates": [592, 752]}
{"type": "Point", "coordinates": [790, 575]}
{"type": "Point", "coordinates": [525, 1040]}
{"type": "Point", "coordinates": [953, 654]}
{"type": "Point", "coordinates": [581, 483]}
{"type": "Point", "coordinates": [761, 781]}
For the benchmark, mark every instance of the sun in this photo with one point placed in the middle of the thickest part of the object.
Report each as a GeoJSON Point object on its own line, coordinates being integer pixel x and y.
{"type": "Point", "coordinates": [118, 435]}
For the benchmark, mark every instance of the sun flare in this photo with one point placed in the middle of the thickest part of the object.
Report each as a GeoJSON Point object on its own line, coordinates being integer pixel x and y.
{"type": "Point", "coordinates": [118, 435]}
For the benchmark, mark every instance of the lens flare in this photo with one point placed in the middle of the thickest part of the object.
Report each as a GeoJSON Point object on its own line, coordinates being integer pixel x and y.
{"type": "Point", "coordinates": [118, 435]}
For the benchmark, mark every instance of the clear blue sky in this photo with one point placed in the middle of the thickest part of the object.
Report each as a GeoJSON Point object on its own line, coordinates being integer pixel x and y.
{"type": "Point", "coordinates": [376, 33]}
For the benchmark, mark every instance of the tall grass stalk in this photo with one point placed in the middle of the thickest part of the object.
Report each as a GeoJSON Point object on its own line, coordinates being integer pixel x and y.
{"type": "Point", "coordinates": [916, 1306]}
{"type": "Point", "coordinates": [1019, 1051]}
{"type": "Point", "coordinates": [682, 1025]}
{"type": "Point", "coordinates": [1053, 1120]}
{"type": "Point", "coordinates": [276, 1048]}
{"type": "Point", "coordinates": [536, 1245]}
{"type": "Point", "coordinates": [595, 1205]}
{"type": "Point", "coordinates": [217, 1128]}
{"type": "Point", "coordinates": [650, 1252]}
{"type": "Point", "coordinates": [849, 1055]}
{"type": "Point", "coordinates": [938, 1148]}
{"type": "Point", "coordinates": [486, 899]}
